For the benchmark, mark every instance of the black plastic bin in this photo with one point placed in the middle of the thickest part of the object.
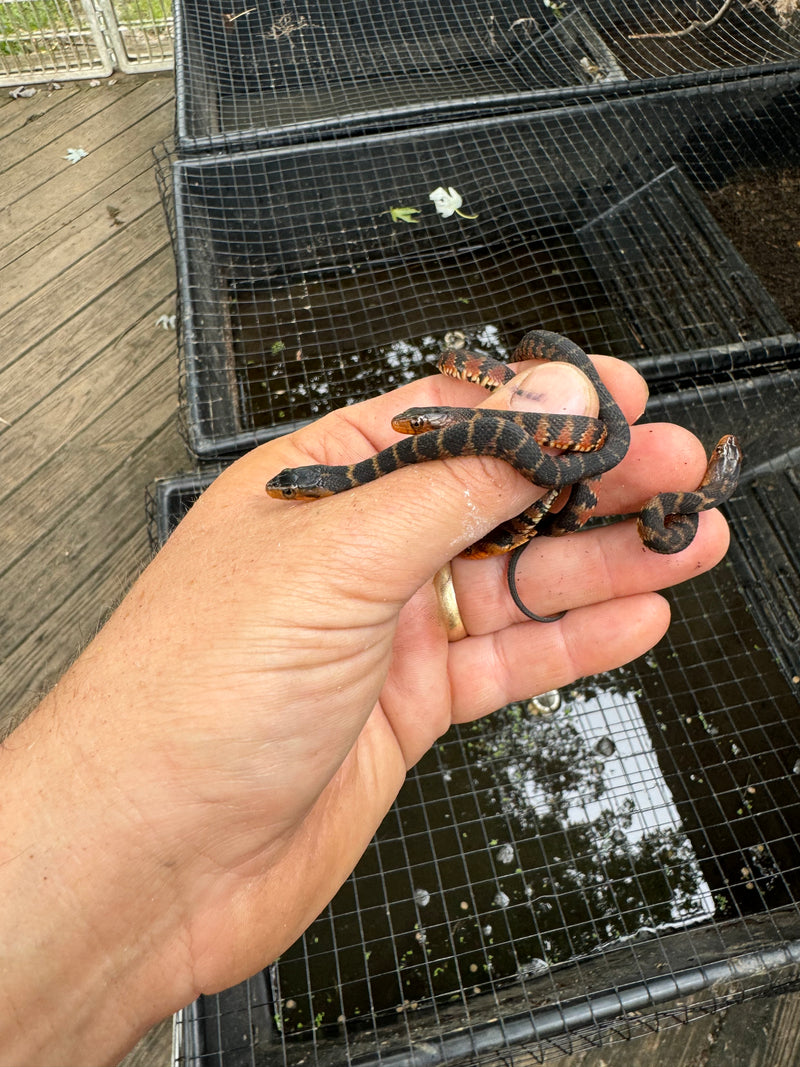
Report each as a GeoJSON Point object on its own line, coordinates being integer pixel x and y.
{"type": "Point", "coordinates": [168, 499]}
{"type": "Point", "coordinates": [256, 73]}
{"type": "Point", "coordinates": [613, 858]}
{"type": "Point", "coordinates": [316, 275]}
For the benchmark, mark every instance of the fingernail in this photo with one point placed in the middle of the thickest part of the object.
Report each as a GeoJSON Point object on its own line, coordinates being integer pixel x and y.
{"type": "Point", "coordinates": [556, 388]}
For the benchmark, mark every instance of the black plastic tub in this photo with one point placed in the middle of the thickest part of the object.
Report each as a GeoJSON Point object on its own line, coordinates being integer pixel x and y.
{"type": "Point", "coordinates": [313, 276]}
{"type": "Point", "coordinates": [258, 74]}
{"type": "Point", "coordinates": [619, 856]}
{"type": "Point", "coordinates": [168, 499]}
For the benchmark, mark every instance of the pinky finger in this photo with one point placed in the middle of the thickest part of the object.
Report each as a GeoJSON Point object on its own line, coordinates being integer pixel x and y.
{"type": "Point", "coordinates": [494, 669]}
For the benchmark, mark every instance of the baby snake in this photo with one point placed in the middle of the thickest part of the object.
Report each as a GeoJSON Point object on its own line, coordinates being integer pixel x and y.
{"type": "Point", "coordinates": [588, 448]}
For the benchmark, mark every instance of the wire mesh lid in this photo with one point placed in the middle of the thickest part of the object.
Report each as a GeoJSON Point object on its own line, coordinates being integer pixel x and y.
{"type": "Point", "coordinates": [315, 275]}
{"type": "Point", "coordinates": [256, 71]}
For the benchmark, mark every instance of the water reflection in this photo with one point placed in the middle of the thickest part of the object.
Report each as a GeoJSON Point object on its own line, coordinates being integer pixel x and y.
{"type": "Point", "coordinates": [532, 848]}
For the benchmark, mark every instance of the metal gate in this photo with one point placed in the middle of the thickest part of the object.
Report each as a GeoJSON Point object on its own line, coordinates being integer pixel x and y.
{"type": "Point", "coordinates": [60, 40]}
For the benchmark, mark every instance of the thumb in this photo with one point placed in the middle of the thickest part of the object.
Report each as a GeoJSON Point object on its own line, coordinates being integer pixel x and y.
{"type": "Point", "coordinates": [554, 388]}
{"type": "Point", "coordinates": [442, 507]}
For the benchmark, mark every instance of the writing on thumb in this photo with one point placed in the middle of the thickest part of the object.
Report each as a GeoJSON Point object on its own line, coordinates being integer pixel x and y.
{"type": "Point", "coordinates": [554, 388]}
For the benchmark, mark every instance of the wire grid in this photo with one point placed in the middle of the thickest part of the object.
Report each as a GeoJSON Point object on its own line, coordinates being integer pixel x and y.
{"type": "Point", "coordinates": [168, 499]}
{"type": "Point", "coordinates": [316, 275]}
{"type": "Point", "coordinates": [605, 860]}
{"type": "Point", "coordinates": [50, 39]}
{"type": "Point", "coordinates": [254, 71]}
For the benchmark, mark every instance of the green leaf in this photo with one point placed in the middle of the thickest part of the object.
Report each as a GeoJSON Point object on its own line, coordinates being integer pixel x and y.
{"type": "Point", "coordinates": [404, 214]}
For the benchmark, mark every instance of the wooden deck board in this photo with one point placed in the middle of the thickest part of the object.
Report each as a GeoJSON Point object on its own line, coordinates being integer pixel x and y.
{"type": "Point", "coordinates": [88, 399]}
{"type": "Point", "coordinates": [43, 243]}
{"type": "Point", "coordinates": [100, 415]}
{"type": "Point", "coordinates": [94, 277]}
{"type": "Point", "coordinates": [67, 516]}
{"type": "Point", "coordinates": [84, 116]}
{"type": "Point", "coordinates": [75, 572]}
{"type": "Point", "coordinates": [24, 112]}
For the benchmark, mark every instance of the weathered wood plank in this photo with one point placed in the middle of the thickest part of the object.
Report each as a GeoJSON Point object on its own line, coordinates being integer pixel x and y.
{"type": "Point", "coordinates": [72, 534]}
{"type": "Point", "coordinates": [762, 1033]}
{"type": "Point", "coordinates": [16, 115]}
{"type": "Point", "coordinates": [154, 1050]}
{"type": "Point", "coordinates": [42, 354]}
{"type": "Point", "coordinates": [47, 261]}
{"type": "Point", "coordinates": [45, 655]}
{"type": "Point", "coordinates": [52, 229]}
{"type": "Point", "coordinates": [101, 417]}
{"type": "Point", "coordinates": [69, 192]}
{"type": "Point", "coordinates": [84, 113]}
{"type": "Point", "coordinates": [89, 586]}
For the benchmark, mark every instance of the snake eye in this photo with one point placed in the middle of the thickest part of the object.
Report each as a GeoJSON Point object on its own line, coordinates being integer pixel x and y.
{"type": "Point", "coordinates": [283, 486]}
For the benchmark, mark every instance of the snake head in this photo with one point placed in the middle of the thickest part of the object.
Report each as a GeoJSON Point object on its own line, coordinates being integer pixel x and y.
{"type": "Point", "coordinates": [298, 483]}
{"type": "Point", "coordinates": [421, 420]}
{"type": "Point", "coordinates": [724, 467]}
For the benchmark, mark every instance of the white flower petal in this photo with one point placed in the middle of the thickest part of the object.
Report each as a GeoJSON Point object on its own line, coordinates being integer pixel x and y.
{"type": "Point", "coordinates": [447, 201]}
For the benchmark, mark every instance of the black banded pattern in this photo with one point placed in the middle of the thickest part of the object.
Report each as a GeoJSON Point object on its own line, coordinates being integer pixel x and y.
{"type": "Point", "coordinates": [589, 447]}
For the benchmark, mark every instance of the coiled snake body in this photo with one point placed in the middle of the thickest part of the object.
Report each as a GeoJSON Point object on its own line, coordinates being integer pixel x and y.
{"type": "Point", "coordinates": [587, 449]}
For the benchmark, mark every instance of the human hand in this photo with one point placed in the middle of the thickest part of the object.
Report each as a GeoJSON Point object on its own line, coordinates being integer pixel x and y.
{"type": "Point", "coordinates": [246, 718]}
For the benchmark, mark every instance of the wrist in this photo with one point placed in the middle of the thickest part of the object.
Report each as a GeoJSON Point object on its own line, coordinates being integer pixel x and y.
{"type": "Point", "coordinates": [90, 955]}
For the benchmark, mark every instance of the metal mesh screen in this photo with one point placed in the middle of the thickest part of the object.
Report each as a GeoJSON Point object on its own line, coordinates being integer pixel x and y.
{"type": "Point", "coordinates": [586, 860]}
{"type": "Point", "coordinates": [351, 185]}
{"type": "Point", "coordinates": [56, 39]}
{"type": "Point", "coordinates": [139, 32]}
{"type": "Point", "coordinates": [313, 275]}
{"type": "Point", "coordinates": [252, 72]}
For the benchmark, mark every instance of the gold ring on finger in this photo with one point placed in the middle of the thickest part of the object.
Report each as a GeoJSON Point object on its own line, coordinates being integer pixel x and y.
{"type": "Point", "coordinates": [448, 605]}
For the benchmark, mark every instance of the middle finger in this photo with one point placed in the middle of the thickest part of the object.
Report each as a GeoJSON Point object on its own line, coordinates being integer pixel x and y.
{"type": "Point", "coordinates": [556, 574]}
